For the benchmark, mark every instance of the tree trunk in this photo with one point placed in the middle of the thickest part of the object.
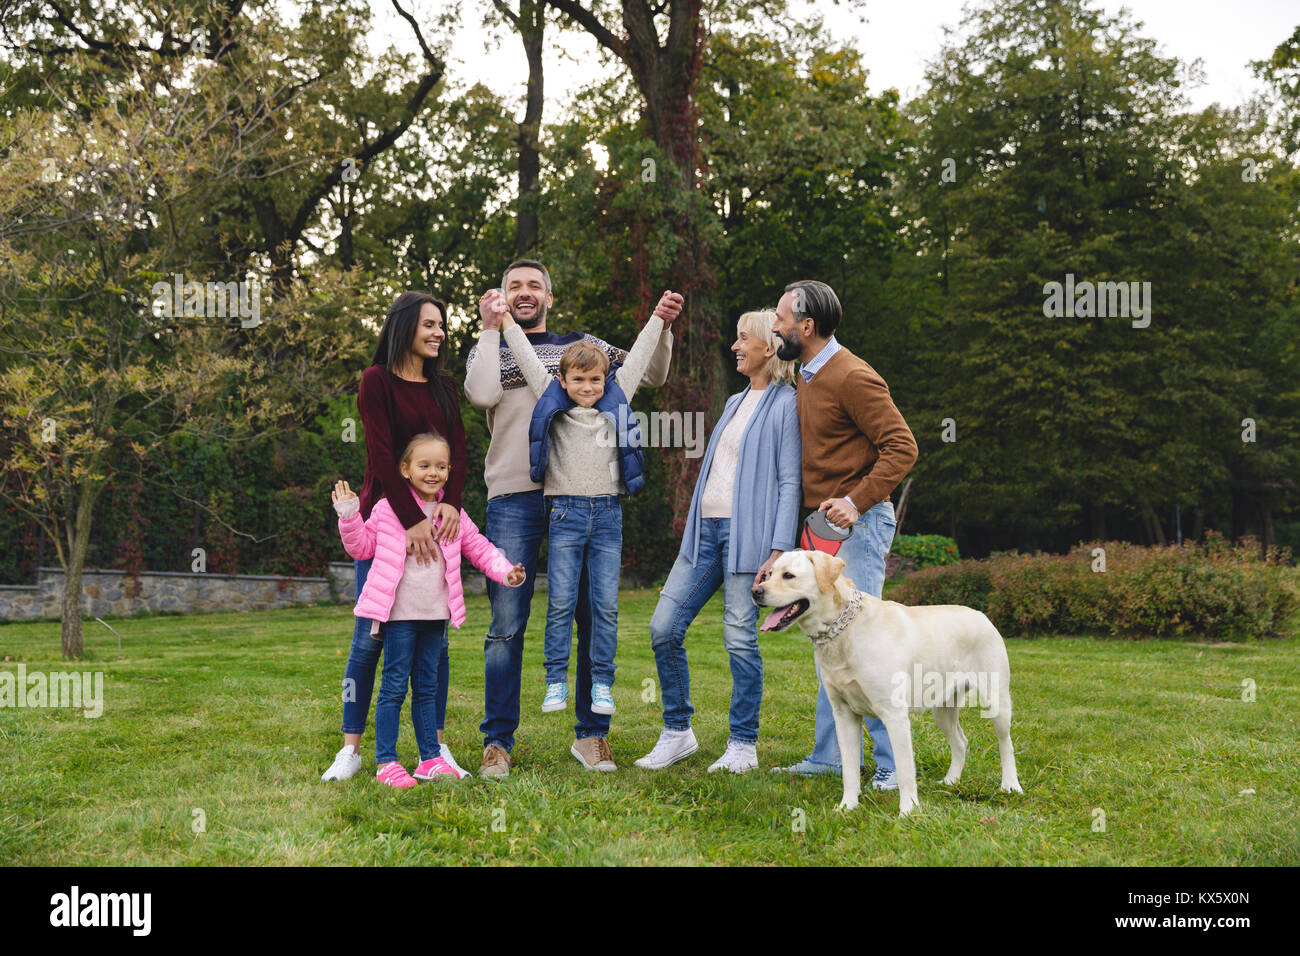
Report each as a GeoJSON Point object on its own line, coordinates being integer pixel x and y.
{"type": "Point", "coordinates": [532, 29]}
{"type": "Point", "coordinates": [1153, 522]}
{"type": "Point", "coordinates": [1265, 530]}
{"type": "Point", "coordinates": [78, 544]}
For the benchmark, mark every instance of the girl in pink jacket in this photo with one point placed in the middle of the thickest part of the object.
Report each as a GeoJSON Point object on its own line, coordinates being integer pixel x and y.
{"type": "Point", "coordinates": [414, 602]}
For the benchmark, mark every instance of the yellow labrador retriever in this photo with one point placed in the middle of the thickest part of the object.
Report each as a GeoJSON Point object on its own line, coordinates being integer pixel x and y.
{"type": "Point", "coordinates": [883, 659]}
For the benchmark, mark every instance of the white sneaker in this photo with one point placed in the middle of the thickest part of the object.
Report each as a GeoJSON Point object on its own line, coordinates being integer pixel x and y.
{"type": "Point", "coordinates": [346, 762]}
{"type": "Point", "coordinates": [673, 745]}
{"type": "Point", "coordinates": [461, 773]}
{"type": "Point", "coordinates": [738, 758]}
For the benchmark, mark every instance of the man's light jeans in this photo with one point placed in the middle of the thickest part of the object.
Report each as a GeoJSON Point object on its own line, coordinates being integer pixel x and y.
{"type": "Point", "coordinates": [864, 555]}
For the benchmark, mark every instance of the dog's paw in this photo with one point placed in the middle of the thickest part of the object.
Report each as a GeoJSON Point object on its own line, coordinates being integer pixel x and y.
{"type": "Point", "coordinates": [1011, 788]}
{"type": "Point", "coordinates": [951, 781]}
{"type": "Point", "coordinates": [906, 809]}
{"type": "Point", "coordinates": [846, 804]}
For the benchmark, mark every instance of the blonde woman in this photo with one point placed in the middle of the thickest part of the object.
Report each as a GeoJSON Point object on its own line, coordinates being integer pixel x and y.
{"type": "Point", "coordinates": [744, 513]}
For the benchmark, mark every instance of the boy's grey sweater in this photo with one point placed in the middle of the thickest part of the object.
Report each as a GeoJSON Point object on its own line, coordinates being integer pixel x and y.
{"type": "Point", "coordinates": [583, 459]}
{"type": "Point", "coordinates": [494, 382]}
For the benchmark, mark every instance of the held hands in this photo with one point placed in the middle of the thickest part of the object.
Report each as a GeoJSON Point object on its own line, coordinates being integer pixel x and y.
{"type": "Point", "coordinates": [494, 312]}
{"type": "Point", "coordinates": [669, 307]}
{"type": "Point", "coordinates": [839, 512]}
{"type": "Point", "coordinates": [516, 576]}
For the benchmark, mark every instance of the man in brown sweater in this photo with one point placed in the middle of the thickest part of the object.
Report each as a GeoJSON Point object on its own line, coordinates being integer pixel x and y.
{"type": "Point", "coordinates": [856, 449]}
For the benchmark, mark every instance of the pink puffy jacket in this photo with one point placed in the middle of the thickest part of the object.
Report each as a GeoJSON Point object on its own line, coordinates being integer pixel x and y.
{"type": "Point", "coordinates": [383, 538]}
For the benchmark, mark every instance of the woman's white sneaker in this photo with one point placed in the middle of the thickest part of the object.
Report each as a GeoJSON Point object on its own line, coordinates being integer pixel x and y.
{"type": "Point", "coordinates": [738, 758]}
{"type": "Point", "coordinates": [461, 772]}
{"type": "Point", "coordinates": [346, 762]}
{"type": "Point", "coordinates": [673, 745]}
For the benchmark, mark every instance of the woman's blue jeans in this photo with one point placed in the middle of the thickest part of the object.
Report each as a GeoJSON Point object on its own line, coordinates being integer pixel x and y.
{"type": "Point", "coordinates": [411, 652]}
{"type": "Point", "coordinates": [363, 658]}
{"type": "Point", "coordinates": [684, 594]}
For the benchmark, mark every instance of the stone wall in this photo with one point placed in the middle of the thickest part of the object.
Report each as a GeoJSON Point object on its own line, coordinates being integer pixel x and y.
{"type": "Point", "coordinates": [106, 592]}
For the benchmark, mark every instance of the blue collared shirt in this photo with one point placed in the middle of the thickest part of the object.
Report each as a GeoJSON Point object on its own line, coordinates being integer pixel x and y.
{"type": "Point", "coordinates": [809, 369]}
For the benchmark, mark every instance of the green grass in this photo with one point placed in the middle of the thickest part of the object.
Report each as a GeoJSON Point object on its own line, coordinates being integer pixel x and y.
{"type": "Point", "coordinates": [236, 715]}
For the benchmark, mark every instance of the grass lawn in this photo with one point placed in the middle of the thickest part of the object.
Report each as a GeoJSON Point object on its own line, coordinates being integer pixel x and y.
{"type": "Point", "coordinates": [229, 720]}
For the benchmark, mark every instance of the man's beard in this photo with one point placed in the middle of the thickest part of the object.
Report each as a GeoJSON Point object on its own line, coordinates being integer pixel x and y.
{"type": "Point", "coordinates": [789, 350]}
{"type": "Point", "coordinates": [532, 321]}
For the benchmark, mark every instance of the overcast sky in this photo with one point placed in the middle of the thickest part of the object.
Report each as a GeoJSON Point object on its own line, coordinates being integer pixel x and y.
{"type": "Point", "coordinates": [896, 40]}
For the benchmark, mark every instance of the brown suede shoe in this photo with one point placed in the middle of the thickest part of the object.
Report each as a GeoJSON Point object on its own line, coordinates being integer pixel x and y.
{"type": "Point", "coordinates": [496, 762]}
{"type": "Point", "coordinates": [593, 753]}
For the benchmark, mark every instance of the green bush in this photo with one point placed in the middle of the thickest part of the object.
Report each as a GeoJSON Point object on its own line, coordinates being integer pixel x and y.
{"type": "Point", "coordinates": [1210, 590]}
{"type": "Point", "coordinates": [926, 550]}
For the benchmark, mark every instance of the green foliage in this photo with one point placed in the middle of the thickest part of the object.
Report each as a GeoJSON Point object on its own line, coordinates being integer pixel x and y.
{"type": "Point", "coordinates": [925, 550]}
{"type": "Point", "coordinates": [1211, 591]}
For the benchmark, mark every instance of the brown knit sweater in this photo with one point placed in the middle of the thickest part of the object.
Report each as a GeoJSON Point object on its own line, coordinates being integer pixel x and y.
{"type": "Point", "coordinates": [855, 440]}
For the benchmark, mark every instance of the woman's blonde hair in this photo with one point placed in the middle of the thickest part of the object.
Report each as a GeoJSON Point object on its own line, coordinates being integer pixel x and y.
{"type": "Point", "coordinates": [759, 325]}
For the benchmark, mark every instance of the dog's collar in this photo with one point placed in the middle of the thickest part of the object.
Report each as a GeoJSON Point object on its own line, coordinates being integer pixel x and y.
{"type": "Point", "coordinates": [840, 623]}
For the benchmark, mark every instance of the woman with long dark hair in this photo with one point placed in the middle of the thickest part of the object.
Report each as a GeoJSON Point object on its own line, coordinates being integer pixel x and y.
{"type": "Point", "coordinates": [403, 393]}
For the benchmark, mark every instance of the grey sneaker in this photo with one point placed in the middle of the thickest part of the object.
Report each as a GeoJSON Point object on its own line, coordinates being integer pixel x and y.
{"type": "Point", "coordinates": [496, 762]}
{"type": "Point", "coordinates": [884, 780]}
{"type": "Point", "coordinates": [809, 768]}
{"type": "Point", "coordinates": [594, 754]}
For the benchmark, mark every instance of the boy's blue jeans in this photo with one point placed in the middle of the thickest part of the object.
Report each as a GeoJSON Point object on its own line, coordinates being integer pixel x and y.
{"type": "Point", "coordinates": [685, 592]}
{"type": "Point", "coordinates": [363, 658]}
{"type": "Point", "coordinates": [586, 535]}
{"type": "Point", "coordinates": [516, 523]}
{"type": "Point", "coordinates": [411, 652]}
{"type": "Point", "coordinates": [864, 554]}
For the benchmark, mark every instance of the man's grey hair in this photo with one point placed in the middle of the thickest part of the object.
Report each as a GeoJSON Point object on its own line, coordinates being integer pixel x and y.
{"type": "Point", "coordinates": [817, 301]}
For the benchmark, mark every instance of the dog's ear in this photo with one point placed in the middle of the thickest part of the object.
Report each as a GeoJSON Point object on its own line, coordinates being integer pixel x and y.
{"type": "Point", "coordinates": [828, 567]}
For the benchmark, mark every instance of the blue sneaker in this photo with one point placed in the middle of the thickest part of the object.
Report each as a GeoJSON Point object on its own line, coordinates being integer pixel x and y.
{"type": "Point", "coordinates": [808, 768]}
{"type": "Point", "coordinates": [602, 701]}
{"type": "Point", "coordinates": [557, 695]}
{"type": "Point", "coordinates": [884, 780]}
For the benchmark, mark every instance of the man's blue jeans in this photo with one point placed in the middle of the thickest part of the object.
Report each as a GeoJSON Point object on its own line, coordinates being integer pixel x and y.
{"type": "Point", "coordinates": [864, 561]}
{"type": "Point", "coordinates": [363, 658]}
{"type": "Point", "coordinates": [411, 652]}
{"type": "Point", "coordinates": [516, 524]}
{"type": "Point", "coordinates": [684, 594]}
{"type": "Point", "coordinates": [586, 536]}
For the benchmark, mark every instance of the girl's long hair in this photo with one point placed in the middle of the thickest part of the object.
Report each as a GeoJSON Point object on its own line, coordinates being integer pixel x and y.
{"type": "Point", "coordinates": [395, 340]}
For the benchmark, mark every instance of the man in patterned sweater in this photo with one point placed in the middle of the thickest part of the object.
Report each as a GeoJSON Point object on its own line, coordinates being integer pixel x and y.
{"type": "Point", "coordinates": [516, 514]}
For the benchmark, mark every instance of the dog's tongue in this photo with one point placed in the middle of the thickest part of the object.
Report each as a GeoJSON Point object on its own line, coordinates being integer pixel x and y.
{"type": "Point", "coordinates": [773, 619]}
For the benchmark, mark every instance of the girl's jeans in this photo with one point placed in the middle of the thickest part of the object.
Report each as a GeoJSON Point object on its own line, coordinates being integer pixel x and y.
{"type": "Point", "coordinates": [411, 652]}
{"type": "Point", "coordinates": [683, 595]}
{"type": "Point", "coordinates": [359, 677]}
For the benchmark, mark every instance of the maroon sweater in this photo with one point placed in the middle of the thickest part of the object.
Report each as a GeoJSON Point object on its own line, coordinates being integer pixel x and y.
{"type": "Point", "coordinates": [393, 411]}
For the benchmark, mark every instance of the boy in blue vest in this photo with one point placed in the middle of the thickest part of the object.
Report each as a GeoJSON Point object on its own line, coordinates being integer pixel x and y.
{"type": "Point", "coordinates": [585, 451]}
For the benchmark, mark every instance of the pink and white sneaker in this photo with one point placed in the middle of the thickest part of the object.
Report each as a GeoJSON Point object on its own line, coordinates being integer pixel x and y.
{"type": "Point", "coordinates": [434, 768]}
{"type": "Point", "coordinates": [395, 775]}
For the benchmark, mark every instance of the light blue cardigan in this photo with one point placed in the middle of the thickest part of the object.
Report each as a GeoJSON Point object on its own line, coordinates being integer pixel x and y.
{"type": "Point", "coordinates": [766, 491]}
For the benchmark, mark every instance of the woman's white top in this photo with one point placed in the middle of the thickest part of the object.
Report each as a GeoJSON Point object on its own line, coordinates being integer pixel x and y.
{"type": "Point", "coordinates": [718, 486]}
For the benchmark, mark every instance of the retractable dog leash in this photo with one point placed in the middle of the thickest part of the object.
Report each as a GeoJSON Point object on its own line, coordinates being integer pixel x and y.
{"type": "Point", "coordinates": [820, 535]}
